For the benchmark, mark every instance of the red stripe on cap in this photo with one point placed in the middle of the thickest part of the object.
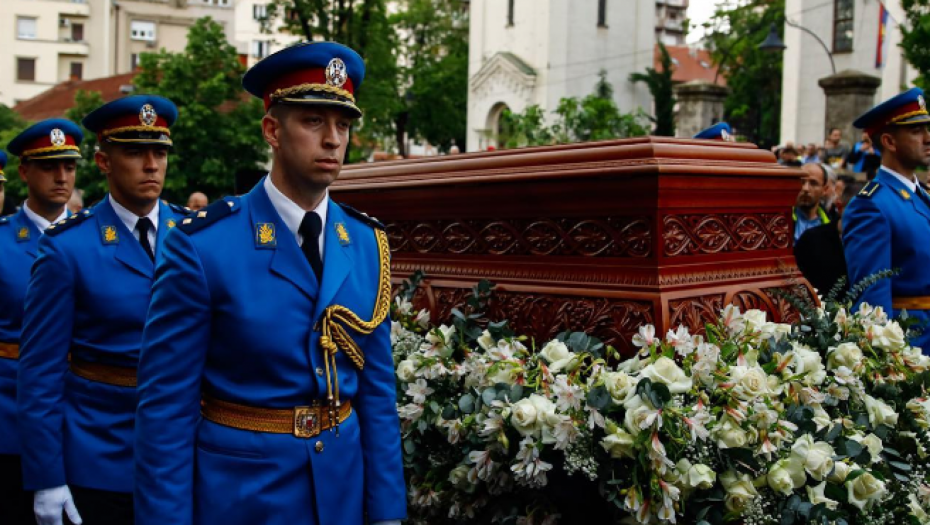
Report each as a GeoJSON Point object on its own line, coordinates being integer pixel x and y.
{"type": "Point", "coordinates": [132, 120]}
{"type": "Point", "coordinates": [45, 141]}
{"type": "Point", "coordinates": [912, 107]}
{"type": "Point", "coordinates": [296, 78]}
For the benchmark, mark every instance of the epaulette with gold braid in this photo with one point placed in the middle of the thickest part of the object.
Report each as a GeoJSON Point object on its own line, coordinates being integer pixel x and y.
{"type": "Point", "coordinates": [362, 216]}
{"type": "Point", "coordinates": [869, 189]}
{"type": "Point", "coordinates": [70, 222]}
{"type": "Point", "coordinates": [177, 208]}
{"type": "Point", "coordinates": [198, 220]}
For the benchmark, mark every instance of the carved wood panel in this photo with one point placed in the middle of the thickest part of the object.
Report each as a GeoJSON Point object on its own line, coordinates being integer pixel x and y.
{"type": "Point", "coordinates": [592, 237]}
{"type": "Point", "coordinates": [712, 234]}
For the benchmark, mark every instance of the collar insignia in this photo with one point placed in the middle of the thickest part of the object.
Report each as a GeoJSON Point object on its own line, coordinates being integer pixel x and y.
{"type": "Point", "coordinates": [905, 194]}
{"type": "Point", "coordinates": [22, 234]}
{"type": "Point", "coordinates": [147, 115]}
{"type": "Point", "coordinates": [336, 74]}
{"type": "Point", "coordinates": [343, 234]}
{"type": "Point", "coordinates": [109, 235]}
{"type": "Point", "coordinates": [57, 137]}
{"type": "Point", "coordinates": [264, 235]}
{"type": "Point", "coordinates": [171, 223]}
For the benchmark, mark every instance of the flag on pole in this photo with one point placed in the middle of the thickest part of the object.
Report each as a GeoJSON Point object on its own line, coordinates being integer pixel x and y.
{"type": "Point", "coordinates": [882, 36]}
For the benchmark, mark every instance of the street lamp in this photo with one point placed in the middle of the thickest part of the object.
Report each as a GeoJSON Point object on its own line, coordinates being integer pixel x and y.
{"type": "Point", "coordinates": [774, 44]}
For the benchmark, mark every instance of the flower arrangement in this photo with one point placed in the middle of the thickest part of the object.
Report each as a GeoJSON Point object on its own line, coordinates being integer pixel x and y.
{"type": "Point", "coordinates": [752, 422]}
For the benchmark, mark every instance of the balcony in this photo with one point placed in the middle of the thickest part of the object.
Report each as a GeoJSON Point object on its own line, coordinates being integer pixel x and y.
{"type": "Point", "coordinates": [68, 47]}
{"type": "Point", "coordinates": [69, 8]}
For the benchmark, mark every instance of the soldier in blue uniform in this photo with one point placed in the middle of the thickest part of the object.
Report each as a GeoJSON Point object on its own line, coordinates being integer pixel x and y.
{"type": "Point", "coordinates": [266, 383]}
{"type": "Point", "coordinates": [887, 225]}
{"type": "Point", "coordinates": [48, 154]}
{"type": "Point", "coordinates": [88, 297]}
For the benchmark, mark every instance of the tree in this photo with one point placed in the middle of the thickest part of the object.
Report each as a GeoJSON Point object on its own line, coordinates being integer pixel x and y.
{"type": "Point", "coordinates": [12, 124]}
{"type": "Point", "coordinates": [88, 177]}
{"type": "Point", "coordinates": [595, 117]}
{"type": "Point", "coordinates": [660, 86]}
{"type": "Point", "coordinates": [218, 131]}
{"type": "Point", "coordinates": [915, 35]}
{"type": "Point", "coordinates": [753, 76]}
{"type": "Point", "coordinates": [362, 25]}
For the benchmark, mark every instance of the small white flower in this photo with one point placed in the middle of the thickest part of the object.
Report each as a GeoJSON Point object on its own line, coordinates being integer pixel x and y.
{"type": "Point", "coordinates": [681, 340]}
{"type": "Point", "coordinates": [568, 396]}
{"type": "Point", "coordinates": [419, 390]}
{"type": "Point", "coordinates": [646, 336]}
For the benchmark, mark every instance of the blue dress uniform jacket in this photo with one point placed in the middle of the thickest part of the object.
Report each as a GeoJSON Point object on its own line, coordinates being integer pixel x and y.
{"type": "Point", "coordinates": [88, 295]}
{"type": "Point", "coordinates": [232, 315]}
{"type": "Point", "coordinates": [19, 242]}
{"type": "Point", "coordinates": [886, 227]}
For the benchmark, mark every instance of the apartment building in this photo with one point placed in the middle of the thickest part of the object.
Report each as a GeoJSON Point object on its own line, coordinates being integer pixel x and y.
{"type": "Point", "coordinates": [47, 42]}
{"type": "Point", "coordinates": [252, 43]}
{"type": "Point", "coordinates": [670, 21]}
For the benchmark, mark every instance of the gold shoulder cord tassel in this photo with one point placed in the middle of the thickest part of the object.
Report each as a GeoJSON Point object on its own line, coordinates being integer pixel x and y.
{"type": "Point", "coordinates": [337, 318]}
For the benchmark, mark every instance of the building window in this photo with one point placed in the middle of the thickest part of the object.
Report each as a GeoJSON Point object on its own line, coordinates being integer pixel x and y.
{"type": "Point", "coordinates": [601, 13]}
{"type": "Point", "coordinates": [26, 27]}
{"type": "Point", "coordinates": [510, 12]}
{"type": "Point", "coordinates": [141, 30]}
{"type": "Point", "coordinates": [260, 49]}
{"type": "Point", "coordinates": [133, 61]}
{"type": "Point", "coordinates": [77, 32]}
{"type": "Point", "coordinates": [26, 69]}
{"type": "Point", "coordinates": [842, 26]}
{"type": "Point", "coordinates": [77, 71]}
{"type": "Point", "coordinates": [259, 12]}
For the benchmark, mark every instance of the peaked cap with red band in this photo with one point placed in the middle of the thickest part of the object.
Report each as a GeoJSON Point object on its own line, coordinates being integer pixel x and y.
{"type": "Point", "coordinates": [136, 119]}
{"type": "Point", "coordinates": [51, 139]}
{"type": "Point", "coordinates": [905, 109]}
{"type": "Point", "coordinates": [318, 73]}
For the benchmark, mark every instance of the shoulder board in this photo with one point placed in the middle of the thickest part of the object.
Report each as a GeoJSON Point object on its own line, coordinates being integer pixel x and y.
{"type": "Point", "coordinates": [4, 220]}
{"type": "Point", "coordinates": [198, 220]}
{"type": "Point", "coordinates": [177, 208]}
{"type": "Point", "coordinates": [67, 224]}
{"type": "Point", "coordinates": [869, 189]}
{"type": "Point", "coordinates": [362, 216]}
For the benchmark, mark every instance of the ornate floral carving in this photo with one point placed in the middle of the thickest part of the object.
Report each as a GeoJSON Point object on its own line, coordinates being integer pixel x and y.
{"type": "Point", "coordinates": [593, 237]}
{"type": "Point", "coordinates": [695, 312]}
{"type": "Point", "coordinates": [741, 232]}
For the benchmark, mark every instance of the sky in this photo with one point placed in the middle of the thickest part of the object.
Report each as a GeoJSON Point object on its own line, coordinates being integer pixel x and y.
{"type": "Point", "coordinates": [699, 11]}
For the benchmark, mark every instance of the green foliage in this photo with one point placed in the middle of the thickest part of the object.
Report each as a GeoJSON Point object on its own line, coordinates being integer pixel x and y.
{"type": "Point", "coordinates": [88, 177]}
{"type": "Point", "coordinates": [218, 131]}
{"type": "Point", "coordinates": [753, 76]}
{"type": "Point", "coordinates": [915, 35]}
{"type": "Point", "coordinates": [660, 86]}
{"type": "Point", "coordinates": [595, 117]}
{"type": "Point", "coordinates": [11, 124]}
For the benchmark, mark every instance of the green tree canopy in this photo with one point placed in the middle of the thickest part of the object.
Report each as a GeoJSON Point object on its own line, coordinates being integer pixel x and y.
{"type": "Point", "coordinates": [218, 131]}
{"type": "Point", "coordinates": [11, 124]}
{"type": "Point", "coordinates": [88, 177]}
{"type": "Point", "coordinates": [595, 117]}
{"type": "Point", "coordinates": [660, 86]}
{"type": "Point", "coordinates": [915, 36]}
{"type": "Point", "coordinates": [753, 76]}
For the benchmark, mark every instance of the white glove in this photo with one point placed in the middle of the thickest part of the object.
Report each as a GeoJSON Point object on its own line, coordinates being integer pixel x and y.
{"type": "Point", "coordinates": [49, 504]}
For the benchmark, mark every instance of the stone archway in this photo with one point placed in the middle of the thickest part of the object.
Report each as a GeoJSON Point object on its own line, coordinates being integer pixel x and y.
{"type": "Point", "coordinates": [493, 123]}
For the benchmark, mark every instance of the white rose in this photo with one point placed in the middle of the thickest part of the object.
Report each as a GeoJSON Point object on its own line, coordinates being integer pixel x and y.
{"type": "Point", "coordinates": [786, 475]}
{"type": "Point", "coordinates": [506, 374]}
{"type": "Point", "coordinates": [406, 370]}
{"type": "Point", "coordinates": [778, 331]}
{"type": "Point", "coordinates": [739, 488]}
{"type": "Point", "coordinates": [846, 354]}
{"type": "Point", "coordinates": [816, 496]}
{"type": "Point", "coordinates": [865, 490]}
{"type": "Point", "coordinates": [840, 471]}
{"type": "Point", "coordinates": [618, 444]}
{"type": "Point", "coordinates": [636, 414]}
{"type": "Point", "coordinates": [700, 476]}
{"type": "Point", "coordinates": [821, 418]}
{"type": "Point", "coordinates": [875, 446]}
{"type": "Point", "coordinates": [620, 386]}
{"type": "Point", "coordinates": [888, 337]}
{"type": "Point", "coordinates": [730, 435]}
{"type": "Point", "coordinates": [748, 382]}
{"type": "Point", "coordinates": [879, 412]}
{"type": "Point", "coordinates": [808, 362]}
{"type": "Point", "coordinates": [558, 356]}
{"type": "Point", "coordinates": [754, 319]}
{"type": "Point", "coordinates": [917, 510]}
{"type": "Point", "coordinates": [816, 457]}
{"type": "Point", "coordinates": [664, 370]}
{"type": "Point", "coordinates": [486, 342]}
{"type": "Point", "coordinates": [530, 414]}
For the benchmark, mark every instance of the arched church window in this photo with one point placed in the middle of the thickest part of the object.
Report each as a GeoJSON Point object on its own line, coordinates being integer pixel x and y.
{"type": "Point", "coordinates": [601, 13]}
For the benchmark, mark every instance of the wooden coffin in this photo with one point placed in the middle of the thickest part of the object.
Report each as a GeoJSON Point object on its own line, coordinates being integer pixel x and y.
{"type": "Point", "coordinates": [597, 237]}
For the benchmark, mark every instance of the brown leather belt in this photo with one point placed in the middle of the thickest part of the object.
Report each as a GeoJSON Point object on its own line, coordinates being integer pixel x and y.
{"type": "Point", "coordinates": [9, 351]}
{"type": "Point", "coordinates": [108, 374]}
{"type": "Point", "coordinates": [911, 303]}
{"type": "Point", "coordinates": [302, 422]}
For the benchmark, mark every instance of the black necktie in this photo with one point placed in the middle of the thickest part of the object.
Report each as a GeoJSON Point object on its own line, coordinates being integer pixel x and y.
{"type": "Point", "coordinates": [143, 226]}
{"type": "Point", "coordinates": [310, 229]}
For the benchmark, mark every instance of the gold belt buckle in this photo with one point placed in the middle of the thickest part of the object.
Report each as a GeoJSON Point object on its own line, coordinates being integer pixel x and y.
{"type": "Point", "coordinates": [306, 422]}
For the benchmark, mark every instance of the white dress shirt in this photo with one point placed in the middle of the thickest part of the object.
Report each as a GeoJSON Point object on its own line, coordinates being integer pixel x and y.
{"type": "Point", "coordinates": [130, 219]}
{"type": "Point", "coordinates": [910, 183]}
{"type": "Point", "coordinates": [292, 214]}
{"type": "Point", "coordinates": [41, 223]}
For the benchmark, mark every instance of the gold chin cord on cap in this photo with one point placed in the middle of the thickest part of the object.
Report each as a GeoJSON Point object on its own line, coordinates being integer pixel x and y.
{"type": "Point", "coordinates": [337, 318]}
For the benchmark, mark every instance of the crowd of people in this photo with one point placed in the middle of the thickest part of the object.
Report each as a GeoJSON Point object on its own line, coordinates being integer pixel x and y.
{"type": "Point", "coordinates": [862, 158]}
